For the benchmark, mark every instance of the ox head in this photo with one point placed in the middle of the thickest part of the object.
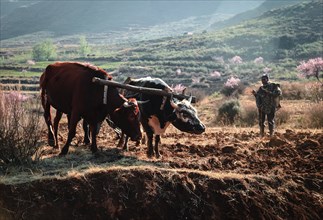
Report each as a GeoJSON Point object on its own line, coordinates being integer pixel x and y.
{"type": "Point", "coordinates": [186, 118]}
{"type": "Point", "coordinates": [127, 118]}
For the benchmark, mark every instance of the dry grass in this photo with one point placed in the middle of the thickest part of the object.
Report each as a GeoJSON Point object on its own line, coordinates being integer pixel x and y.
{"type": "Point", "coordinates": [20, 127]}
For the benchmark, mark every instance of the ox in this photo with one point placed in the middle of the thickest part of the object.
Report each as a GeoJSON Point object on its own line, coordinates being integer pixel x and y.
{"type": "Point", "coordinates": [69, 89]}
{"type": "Point", "coordinates": [158, 112]}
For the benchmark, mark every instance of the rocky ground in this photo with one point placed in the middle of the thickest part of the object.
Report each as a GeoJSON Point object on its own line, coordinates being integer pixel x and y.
{"type": "Point", "coordinates": [225, 173]}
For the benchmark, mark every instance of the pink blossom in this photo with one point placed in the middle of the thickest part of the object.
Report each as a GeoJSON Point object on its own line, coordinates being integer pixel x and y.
{"type": "Point", "coordinates": [16, 96]}
{"type": "Point", "coordinates": [215, 74]}
{"type": "Point", "coordinates": [259, 60]}
{"type": "Point", "coordinates": [195, 79]}
{"type": "Point", "coordinates": [267, 70]}
{"type": "Point", "coordinates": [31, 62]}
{"type": "Point", "coordinates": [311, 68]}
{"type": "Point", "coordinates": [179, 88]}
{"type": "Point", "coordinates": [235, 60]}
{"type": "Point", "coordinates": [232, 82]}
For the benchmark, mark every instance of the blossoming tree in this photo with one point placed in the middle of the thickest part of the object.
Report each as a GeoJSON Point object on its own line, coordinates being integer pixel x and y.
{"type": "Point", "coordinates": [312, 67]}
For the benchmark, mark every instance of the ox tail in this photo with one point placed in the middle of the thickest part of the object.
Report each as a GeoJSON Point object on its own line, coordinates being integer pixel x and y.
{"type": "Point", "coordinates": [42, 89]}
{"type": "Point", "coordinates": [43, 84]}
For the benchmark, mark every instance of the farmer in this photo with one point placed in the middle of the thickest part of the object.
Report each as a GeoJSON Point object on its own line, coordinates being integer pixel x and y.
{"type": "Point", "coordinates": [267, 100]}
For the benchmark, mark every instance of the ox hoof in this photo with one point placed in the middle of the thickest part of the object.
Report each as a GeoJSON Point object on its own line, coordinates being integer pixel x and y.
{"type": "Point", "coordinates": [63, 152]}
{"type": "Point", "coordinates": [86, 141]}
{"type": "Point", "coordinates": [94, 149]}
{"type": "Point", "coordinates": [158, 155]}
{"type": "Point", "coordinates": [150, 154]}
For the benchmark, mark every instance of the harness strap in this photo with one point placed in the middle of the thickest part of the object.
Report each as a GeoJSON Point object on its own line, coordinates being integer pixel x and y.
{"type": "Point", "coordinates": [105, 95]}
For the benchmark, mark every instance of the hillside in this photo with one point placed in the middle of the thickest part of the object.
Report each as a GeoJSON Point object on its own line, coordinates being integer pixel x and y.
{"type": "Point", "coordinates": [72, 17]}
{"type": "Point", "coordinates": [282, 37]}
{"type": "Point", "coordinates": [253, 13]}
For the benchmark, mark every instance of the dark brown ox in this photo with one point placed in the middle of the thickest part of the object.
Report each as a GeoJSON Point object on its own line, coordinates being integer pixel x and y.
{"type": "Point", "coordinates": [69, 89]}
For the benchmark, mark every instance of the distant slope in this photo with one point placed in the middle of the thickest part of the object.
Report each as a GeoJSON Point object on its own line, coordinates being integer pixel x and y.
{"type": "Point", "coordinates": [290, 32]}
{"type": "Point", "coordinates": [71, 17]}
{"type": "Point", "coordinates": [264, 7]}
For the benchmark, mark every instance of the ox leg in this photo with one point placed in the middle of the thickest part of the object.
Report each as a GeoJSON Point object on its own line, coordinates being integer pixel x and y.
{"type": "Point", "coordinates": [74, 119]}
{"type": "Point", "coordinates": [150, 151]}
{"type": "Point", "coordinates": [121, 140]}
{"type": "Point", "coordinates": [86, 130]}
{"type": "Point", "coordinates": [157, 140]}
{"type": "Point", "coordinates": [94, 131]}
{"type": "Point", "coordinates": [48, 120]}
{"type": "Point", "coordinates": [56, 122]}
{"type": "Point", "coordinates": [125, 146]}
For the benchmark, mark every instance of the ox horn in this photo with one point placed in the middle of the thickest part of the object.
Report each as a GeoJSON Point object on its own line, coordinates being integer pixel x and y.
{"type": "Point", "coordinates": [143, 102]}
{"type": "Point", "coordinates": [190, 98]}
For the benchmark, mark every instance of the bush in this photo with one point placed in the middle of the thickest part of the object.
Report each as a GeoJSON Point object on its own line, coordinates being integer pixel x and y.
{"type": "Point", "coordinates": [314, 92]}
{"type": "Point", "coordinates": [249, 115]}
{"type": "Point", "coordinates": [229, 111]}
{"type": "Point", "coordinates": [315, 116]}
{"type": "Point", "coordinates": [20, 127]}
{"type": "Point", "coordinates": [45, 50]}
{"type": "Point", "coordinates": [282, 116]}
{"type": "Point", "coordinates": [293, 91]}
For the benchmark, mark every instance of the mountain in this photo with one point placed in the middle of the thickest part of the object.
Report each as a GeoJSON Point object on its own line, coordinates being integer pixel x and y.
{"type": "Point", "coordinates": [72, 17]}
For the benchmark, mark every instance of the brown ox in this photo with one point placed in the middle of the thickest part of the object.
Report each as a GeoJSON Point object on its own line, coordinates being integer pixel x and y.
{"type": "Point", "coordinates": [69, 89]}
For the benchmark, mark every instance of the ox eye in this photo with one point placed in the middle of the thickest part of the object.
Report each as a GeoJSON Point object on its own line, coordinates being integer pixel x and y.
{"type": "Point", "coordinates": [185, 115]}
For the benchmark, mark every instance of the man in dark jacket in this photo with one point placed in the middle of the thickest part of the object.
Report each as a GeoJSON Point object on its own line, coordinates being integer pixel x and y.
{"type": "Point", "coordinates": [266, 100]}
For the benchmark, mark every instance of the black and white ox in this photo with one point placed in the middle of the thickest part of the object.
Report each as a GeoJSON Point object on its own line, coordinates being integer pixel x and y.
{"type": "Point", "coordinates": [158, 112]}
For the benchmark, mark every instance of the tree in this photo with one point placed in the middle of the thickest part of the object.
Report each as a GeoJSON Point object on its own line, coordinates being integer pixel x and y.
{"type": "Point", "coordinates": [311, 68]}
{"type": "Point", "coordinates": [84, 46]}
{"type": "Point", "coordinates": [232, 87]}
{"type": "Point", "coordinates": [45, 50]}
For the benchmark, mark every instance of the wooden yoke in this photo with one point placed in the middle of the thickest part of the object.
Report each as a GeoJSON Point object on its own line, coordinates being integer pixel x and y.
{"type": "Point", "coordinates": [152, 91]}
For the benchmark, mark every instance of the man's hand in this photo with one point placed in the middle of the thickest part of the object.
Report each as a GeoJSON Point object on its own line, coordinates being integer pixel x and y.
{"type": "Point", "coordinates": [253, 92]}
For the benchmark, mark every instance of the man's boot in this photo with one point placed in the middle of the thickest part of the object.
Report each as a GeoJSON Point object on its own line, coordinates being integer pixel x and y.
{"type": "Point", "coordinates": [271, 132]}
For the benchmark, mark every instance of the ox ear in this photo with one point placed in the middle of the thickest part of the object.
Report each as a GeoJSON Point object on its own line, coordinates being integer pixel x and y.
{"type": "Point", "coordinates": [173, 102]}
{"type": "Point", "coordinates": [184, 90]}
{"type": "Point", "coordinates": [127, 104]}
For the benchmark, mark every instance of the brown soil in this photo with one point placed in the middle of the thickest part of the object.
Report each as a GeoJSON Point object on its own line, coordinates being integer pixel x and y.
{"type": "Point", "coordinates": [222, 174]}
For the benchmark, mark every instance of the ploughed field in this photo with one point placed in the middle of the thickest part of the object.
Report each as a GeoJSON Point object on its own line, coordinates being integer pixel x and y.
{"type": "Point", "coordinates": [225, 173]}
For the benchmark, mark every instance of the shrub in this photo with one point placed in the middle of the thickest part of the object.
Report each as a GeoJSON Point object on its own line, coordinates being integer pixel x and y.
{"type": "Point", "coordinates": [314, 92]}
{"type": "Point", "coordinates": [229, 111]}
{"type": "Point", "coordinates": [249, 115]}
{"type": "Point", "coordinates": [282, 116]}
{"type": "Point", "coordinates": [45, 50]}
{"type": "Point", "coordinates": [293, 91]}
{"type": "Point", "coordinates": [20, 127]}
{"type": "Point", "coordinates": [198, 93]}
{"type": "Point", "coordinates": [315, 116]}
